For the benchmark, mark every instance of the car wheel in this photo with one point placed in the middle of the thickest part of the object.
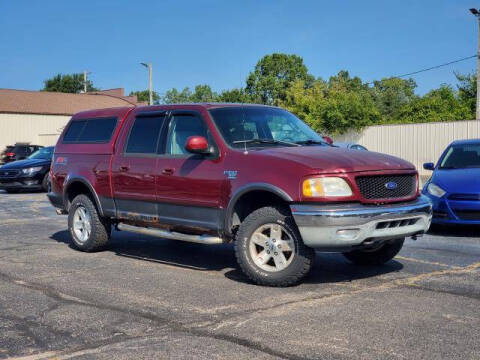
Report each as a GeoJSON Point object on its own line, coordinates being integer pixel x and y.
{"type": "Point", "coordinates": [45, 182]}
{"type": "Point", "coordinates": [270, 250]}
{"type": "Point", "coordinates": [89, 231]}
{"type": "Point", "coordinates": [376, 256]}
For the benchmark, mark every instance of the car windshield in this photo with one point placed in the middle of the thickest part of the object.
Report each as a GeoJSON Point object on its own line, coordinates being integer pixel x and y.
{"type": "Point", "coordinates": [43, 153]}
{"type": "Point", "coordinates": [262, 127]}
{"type": "Point", "coordinates": [461, 157]}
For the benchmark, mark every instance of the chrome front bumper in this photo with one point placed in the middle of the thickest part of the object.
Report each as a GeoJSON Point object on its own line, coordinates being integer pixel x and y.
{"type": "Point", "coordinates": [341, 227]}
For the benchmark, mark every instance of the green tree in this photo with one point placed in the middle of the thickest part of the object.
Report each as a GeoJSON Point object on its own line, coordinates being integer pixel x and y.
{"type": "Point", "coordinates": [333, 107]}
{"type": "Point", "coordinates": [467, 91]}
{"type": "Point", "coordinates": [273, 75]}
{"type": "Point", "coordinates": [144, 96]}
{"type": "Point", "coordinates": [173, 96]}
{"type": "Point", "coordinates": [235, 96]}
{"type": "Point", "coordinates": [343, 82]}
{"type": "Point", "coordinates": [391, 95]}
{"type": "Point", "coordinates": [68, 83]}
{"type": "Point", "coordinates": [442, 104]}
{"type": "Point", "coordinates": [203, 93]}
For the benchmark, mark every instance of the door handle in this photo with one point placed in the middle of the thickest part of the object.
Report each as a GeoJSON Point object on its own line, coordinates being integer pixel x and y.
{"type": "Point", "coordinates": [124, 168]}
{"type": "Point", "coordinates": [167, 171]}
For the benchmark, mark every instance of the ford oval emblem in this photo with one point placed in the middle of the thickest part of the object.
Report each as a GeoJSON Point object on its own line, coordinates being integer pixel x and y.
{"type": "Point", "coordinates": [392, 185]}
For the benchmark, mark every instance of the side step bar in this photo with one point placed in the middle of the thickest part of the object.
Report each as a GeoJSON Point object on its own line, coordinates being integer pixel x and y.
{"type": "Point", "coordinates": [200, 239]}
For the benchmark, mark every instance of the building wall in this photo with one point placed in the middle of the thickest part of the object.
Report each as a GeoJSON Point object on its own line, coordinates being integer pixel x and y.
{"type": "Point", "coordinates": [417, 143]}
{"type": "Point", "coordinates": [35, 129]}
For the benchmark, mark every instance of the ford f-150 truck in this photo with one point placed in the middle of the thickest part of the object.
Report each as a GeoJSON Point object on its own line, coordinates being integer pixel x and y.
{"type": "Point", "coordinates": [253, 175]}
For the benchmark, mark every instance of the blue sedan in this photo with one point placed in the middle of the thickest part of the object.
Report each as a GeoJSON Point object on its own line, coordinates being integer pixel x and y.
{"type": "Point", "coordinates": [454, 187]}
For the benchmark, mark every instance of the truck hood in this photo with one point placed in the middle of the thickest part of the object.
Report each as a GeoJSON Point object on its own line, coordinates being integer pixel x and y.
{"type": "Point", "coordinates": [339, 160]}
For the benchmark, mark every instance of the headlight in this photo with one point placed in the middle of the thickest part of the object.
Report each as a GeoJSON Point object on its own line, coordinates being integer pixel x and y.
{"type": "Point", "coordinates": [435, 190]}
{"type": "Point", "coordinates": [32, 170]}
{"type": "Point", "coordinates": [326, 187]}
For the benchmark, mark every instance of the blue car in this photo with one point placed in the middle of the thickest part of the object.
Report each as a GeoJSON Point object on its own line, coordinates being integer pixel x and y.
{"type": "Point", "coordinates": [454, 187]}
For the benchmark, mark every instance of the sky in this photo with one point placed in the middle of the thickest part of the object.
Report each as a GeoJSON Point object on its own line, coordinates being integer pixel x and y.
{"type": "Point", "coordinates": [218, 42]}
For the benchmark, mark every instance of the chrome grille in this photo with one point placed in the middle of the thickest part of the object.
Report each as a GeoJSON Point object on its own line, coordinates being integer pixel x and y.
{"type": "Point", "coordinates": [387, 186]}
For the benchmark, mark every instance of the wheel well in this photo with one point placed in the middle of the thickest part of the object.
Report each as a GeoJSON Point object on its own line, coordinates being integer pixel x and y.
{"type": "Point", "coordinates": [251, 201]}
{"type": "Point", "coordinates": [77, 188]}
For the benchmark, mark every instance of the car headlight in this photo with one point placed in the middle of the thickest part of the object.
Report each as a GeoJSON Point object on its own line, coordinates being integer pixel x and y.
{"type": "Point", "coordinates": [326, 187]}
{"type": "Point", "coordinates": [32, 170]}
{"type": "Point", "coordinates": [435, 190]}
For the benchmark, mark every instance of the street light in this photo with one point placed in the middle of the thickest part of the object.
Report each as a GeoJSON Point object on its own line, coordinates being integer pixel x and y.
{"type": "Point", "coordinates": [476, 13]}
{"type": "Point", "coordinates": [150, 85]}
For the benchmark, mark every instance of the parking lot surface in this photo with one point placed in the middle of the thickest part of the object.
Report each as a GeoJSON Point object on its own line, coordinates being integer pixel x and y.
{"type": "Point", "coordinates": [151, 298]}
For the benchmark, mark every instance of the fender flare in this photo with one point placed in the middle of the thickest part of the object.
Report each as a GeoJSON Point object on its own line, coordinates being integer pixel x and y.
{"type": "Point", "coordinates": [85, 182]}
{"type": "Point", "coordinates": [246, 189]}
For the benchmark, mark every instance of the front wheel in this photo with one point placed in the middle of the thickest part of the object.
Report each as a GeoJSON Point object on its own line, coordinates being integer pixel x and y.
{"type": "Point", "coordinates": [376, 256]}
{"type": "Point", "coordinates": [89, 231]}
{"type": "Point", "coordinates": [270, 250]}
{"type": "Point", "coordinates": [45, 182]}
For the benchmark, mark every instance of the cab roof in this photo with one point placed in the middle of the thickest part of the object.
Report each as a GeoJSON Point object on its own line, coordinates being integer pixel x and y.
{"type": "Point", "coordinates": [122, 111]}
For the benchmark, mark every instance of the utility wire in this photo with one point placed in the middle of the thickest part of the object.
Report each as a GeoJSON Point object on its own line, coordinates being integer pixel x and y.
{"type": "Point", "coordinates": [430, 68]}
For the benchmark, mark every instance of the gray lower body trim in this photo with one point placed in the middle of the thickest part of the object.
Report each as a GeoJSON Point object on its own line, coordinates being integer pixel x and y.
{"type": "Point", "coordinates": [194, 217]}
{"type": "Point", "coordinates": [343, 226]}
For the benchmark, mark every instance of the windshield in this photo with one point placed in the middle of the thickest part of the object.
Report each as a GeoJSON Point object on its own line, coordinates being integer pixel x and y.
{"type": "Point", "coordinates": [263, 126]}
{"type": "Point", "coordinates": [461, 157]}
{"type": "Point", "coordinates": [43, 153]}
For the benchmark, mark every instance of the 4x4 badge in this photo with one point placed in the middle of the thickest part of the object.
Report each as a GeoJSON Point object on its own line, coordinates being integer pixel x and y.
{"type": "Point", "coordinates": [231, 174]}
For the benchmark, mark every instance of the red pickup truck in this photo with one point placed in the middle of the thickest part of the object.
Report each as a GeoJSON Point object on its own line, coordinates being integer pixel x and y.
{"type": "Point", "coordinates": [253, 175]}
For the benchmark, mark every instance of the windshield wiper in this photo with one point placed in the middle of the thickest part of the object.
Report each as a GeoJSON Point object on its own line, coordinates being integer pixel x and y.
{"type": "Point", "coordinates": [265, 141]}
{"type": "Point", "coordinates": [311, 142]}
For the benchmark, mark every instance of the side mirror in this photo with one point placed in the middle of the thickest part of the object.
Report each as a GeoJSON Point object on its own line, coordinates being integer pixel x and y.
{"type": "Point", "coordinates": [197, 145]}
{"type": "Point", "coordinates": [328, 140]}
{"type": "Point", "coordinates": [429, 166]}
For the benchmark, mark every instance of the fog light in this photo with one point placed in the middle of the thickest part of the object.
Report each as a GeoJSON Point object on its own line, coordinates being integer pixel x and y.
{"type": "Point", "coordinates": [348, 234]}
{"type": "Point", "coordinates": [31, 182]}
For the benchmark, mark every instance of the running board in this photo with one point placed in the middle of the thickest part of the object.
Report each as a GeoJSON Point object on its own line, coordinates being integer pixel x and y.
{"type": "Point", "coordinates": [200, 239]}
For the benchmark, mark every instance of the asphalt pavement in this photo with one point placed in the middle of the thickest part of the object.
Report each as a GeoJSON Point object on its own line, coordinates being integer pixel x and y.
{"type": "Point", "coordinates": [148, 298]}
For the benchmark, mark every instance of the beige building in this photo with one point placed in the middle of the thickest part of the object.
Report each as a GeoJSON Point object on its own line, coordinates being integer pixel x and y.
{"type": "Point", "coordinates": [38, 117]}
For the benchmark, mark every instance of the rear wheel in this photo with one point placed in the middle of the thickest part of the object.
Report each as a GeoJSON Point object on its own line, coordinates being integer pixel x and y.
{"type": "Point", "coordinates": [376, 256]}
{"type": "Point", "coordinates": [269, 248]}
{"type": "Point", "coordinates": [89, 231]}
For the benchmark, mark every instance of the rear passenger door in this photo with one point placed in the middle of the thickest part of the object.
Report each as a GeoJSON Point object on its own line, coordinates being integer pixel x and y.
{"type": "Point", "coordinates": [134, 167]}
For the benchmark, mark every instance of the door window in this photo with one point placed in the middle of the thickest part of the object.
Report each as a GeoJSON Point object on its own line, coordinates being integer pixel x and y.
{"type": "Point", "coordinates": [180, 129]}
{"type": "Point", "coordinates": [144, 135]}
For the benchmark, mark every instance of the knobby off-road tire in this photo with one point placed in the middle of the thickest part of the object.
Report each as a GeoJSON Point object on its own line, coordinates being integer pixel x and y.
{"type": "Point", "coordinates": [272, 230]}
{"type": "Point", "coordinates": [96, 230]}
{"type": "Point", "coordinates": [376, 257]}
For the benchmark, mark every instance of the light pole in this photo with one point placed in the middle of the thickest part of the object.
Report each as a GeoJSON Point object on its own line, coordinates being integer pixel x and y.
{"type": "Point", "coordinates": [85, 73]}
{"type": "Point", "coordinates": [477, 15]}
{"type": "Point", "coordinates": [150, 85]}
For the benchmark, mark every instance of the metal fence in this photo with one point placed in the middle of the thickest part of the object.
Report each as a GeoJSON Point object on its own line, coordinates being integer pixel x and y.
{"type": "Point", "coordinates": [417, 143]}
